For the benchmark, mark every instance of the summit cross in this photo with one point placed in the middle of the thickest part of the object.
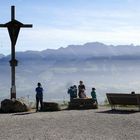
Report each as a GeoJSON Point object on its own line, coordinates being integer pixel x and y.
{"type": "Point", "coordinates": [13, 27]}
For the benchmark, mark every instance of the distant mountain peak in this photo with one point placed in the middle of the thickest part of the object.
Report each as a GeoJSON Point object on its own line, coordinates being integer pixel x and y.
{"type": "Point", "coordinates": [94, 44]}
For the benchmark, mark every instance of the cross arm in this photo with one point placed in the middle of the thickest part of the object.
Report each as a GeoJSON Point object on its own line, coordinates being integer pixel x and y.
{"type": "Point", "coordinates": [2, 25]}
{"type": "Point", "coordinates": [27, 25]}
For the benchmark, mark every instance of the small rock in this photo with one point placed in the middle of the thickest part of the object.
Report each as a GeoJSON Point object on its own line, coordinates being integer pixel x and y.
{"type": "Point", "coordinates": [50, 106]}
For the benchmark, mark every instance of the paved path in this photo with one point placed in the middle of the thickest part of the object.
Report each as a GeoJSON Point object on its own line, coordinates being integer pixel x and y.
{"type": "Point", "coordinates": [99, 124]}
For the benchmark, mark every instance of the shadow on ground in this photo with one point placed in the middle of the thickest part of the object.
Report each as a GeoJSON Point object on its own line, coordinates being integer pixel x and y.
{"type": "Point", "coordinates": [115, 111]}
{"type": "Point", "coordinates": [23, 113]}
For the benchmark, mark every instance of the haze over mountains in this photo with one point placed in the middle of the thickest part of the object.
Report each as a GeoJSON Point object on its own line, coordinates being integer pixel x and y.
{"type": "Point", "coordinates": [109, 68]}
{"type": "Point", "coordinates": [1, 56]}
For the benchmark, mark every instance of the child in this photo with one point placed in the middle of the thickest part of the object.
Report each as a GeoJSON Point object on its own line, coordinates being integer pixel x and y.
{"type": "Point", "coordinates": [93, 94]}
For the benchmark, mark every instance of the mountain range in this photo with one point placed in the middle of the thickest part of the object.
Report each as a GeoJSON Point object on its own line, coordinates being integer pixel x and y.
{"type": "Point", "coordinates": [86, 51]}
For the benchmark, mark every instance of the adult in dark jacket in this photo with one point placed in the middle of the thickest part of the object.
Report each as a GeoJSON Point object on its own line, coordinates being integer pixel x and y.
{"type": "Point", "coordinates": [75, 91]}
{"type": "Point", "coordinates": [39, 96]}
{"type": "Point", "coordinates": [71, 93]}
{"type": "Point", "coordinates": [81, 89]}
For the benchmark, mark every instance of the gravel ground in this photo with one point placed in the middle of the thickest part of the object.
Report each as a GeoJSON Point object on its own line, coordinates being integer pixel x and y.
{"type": "Point", "coordinates": [99, 124]}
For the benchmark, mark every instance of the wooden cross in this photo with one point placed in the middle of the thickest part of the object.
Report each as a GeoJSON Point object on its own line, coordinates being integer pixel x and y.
{"type": "Point", "coordinates": [13, 28]}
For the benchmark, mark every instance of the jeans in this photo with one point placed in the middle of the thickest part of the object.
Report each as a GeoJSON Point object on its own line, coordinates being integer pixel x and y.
{"type": "Point", "coordinates": [37, 103]}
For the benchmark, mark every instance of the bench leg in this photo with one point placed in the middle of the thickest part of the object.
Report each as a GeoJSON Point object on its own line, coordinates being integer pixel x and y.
{"type": "Point", "coordinates": [139, 107]}
{"type": "Point", "coordinates": [113, 107]}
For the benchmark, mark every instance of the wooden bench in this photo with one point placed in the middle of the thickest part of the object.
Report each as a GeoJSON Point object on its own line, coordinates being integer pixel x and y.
{"type": "Point", "coordinates": [80, 103]}
{"type": "Point", "coordinates": [123, 99]}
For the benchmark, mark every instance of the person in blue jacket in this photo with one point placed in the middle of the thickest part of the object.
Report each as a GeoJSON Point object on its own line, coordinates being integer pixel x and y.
{"type": "Point", "coordinates": [39, 96]}
{"type": "Point", "coordinates": [72, 91]}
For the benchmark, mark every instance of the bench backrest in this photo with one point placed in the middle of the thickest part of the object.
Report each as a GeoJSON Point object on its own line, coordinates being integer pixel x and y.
{"type": "Point", "coordinates": [123, 99]}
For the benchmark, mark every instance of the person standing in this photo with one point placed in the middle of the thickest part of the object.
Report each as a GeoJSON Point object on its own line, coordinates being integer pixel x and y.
{"type": "Point", "coordinates": [71, 92]}
{"type": "Point", "coordinates": [81, 89]}
{"type": "Point", "coordinates": [93, 95]}
{"type": "Point", "coordinates": [39, 96]}
{"type": "Point", "coordinates": [75, 91]}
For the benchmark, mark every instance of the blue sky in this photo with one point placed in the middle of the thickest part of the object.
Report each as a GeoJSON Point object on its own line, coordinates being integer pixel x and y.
{"type": "Point", "coordinates": [58, 23]}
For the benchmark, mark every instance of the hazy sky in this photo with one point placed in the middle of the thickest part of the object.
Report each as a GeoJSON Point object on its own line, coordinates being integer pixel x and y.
{"type": "Point", "coordinates": [58, 23]}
